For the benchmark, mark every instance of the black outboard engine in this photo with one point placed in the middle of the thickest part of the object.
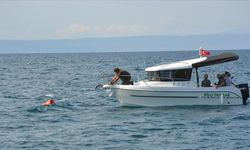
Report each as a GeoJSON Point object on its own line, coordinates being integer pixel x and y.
{"type": "Point", "coordinates": [244, 89]}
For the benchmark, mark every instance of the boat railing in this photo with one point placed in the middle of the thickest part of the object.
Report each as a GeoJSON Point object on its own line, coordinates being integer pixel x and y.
{"type": "Point", "coordinates": [106, 78]}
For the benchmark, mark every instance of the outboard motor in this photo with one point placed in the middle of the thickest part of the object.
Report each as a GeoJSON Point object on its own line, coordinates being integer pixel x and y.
{"type": "Point", "coordinates": [244, 89]}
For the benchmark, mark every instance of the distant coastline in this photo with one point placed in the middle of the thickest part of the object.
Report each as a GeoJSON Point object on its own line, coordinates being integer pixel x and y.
{"type": "Point", "coordinates": [128, 44]}
{"type": "Point", "coordinates": [65, 53]}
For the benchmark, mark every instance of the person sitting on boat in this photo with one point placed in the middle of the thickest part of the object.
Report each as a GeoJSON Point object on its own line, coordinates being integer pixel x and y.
{"type": "Point", "coordinates": [123, 75]}
{"type": "Point", "coordinates": [228, 79]}
{"type": "Point", "coordinates": [221, 80]}
{"type": "Point", "coordinates": [206, 82]}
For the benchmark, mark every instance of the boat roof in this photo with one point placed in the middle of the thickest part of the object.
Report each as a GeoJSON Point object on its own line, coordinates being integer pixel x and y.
{"type": "Point", "coordinates": [218, 59]}
{"type": "Point", "coordinates": [196, 63]}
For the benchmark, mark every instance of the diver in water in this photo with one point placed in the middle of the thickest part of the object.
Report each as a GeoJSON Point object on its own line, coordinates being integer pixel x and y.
{"type": "Point", "coordinates": [123, 75]}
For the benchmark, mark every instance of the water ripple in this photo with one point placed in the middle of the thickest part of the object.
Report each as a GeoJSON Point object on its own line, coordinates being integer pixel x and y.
{"type": "Point", "coordinates": [85, 118]}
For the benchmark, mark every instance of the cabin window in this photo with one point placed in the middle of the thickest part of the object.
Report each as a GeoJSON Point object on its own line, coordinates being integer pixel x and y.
{"type": "Point", "coordinates": [165, 75]}
{"type": "Point", "coordinates": [182, 74]}
{"type": "Point", "coordinates": [153, 76]}
{"type": "Point", "coordinates": [170, 75]}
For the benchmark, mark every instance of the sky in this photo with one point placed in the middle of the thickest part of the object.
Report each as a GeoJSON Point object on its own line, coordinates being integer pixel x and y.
{"type": "Point", "coordinates": [73, 19]}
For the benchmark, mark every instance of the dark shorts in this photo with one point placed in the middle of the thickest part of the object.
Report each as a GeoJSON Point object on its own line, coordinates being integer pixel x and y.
{"type": "Point", "coordinates": [125, 78]}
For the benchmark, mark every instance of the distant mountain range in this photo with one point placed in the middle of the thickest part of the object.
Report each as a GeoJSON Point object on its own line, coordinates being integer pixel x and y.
{"type": "Point", "coordinates": [124, 44]}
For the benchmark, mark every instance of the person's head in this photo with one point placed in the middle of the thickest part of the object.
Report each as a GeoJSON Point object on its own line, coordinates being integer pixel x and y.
{"type": "Point", "coordinates": [117, 70]}
{"type": "Point", "coordinates": [227, 74]}
{"type": "Point", "coordinates": [223, 75]}
{"type": "Point", "coordinates": [218, 75]}
{"type": "Point", "coordinates": [205, 76]}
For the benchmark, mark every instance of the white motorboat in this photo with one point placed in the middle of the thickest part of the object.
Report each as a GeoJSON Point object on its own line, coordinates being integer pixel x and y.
{"type": "Point", "coordinates": [178, 84]}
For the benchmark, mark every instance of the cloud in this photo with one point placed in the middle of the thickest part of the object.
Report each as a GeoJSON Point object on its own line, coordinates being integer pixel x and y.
{"type": "Point", "coordinates": [120, 29]}
{"type": "Point", "coordinates": [77, 30]}
{"type": "Point", "coordinates": [73, 30]}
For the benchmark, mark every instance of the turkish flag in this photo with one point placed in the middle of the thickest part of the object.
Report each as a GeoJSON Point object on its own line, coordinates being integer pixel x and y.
{"type": "Point", "coordinates": [203, 52]}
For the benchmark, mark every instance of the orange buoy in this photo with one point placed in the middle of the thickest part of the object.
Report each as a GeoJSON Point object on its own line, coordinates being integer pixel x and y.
{"type": "Point", "coordinates": [49, 102]}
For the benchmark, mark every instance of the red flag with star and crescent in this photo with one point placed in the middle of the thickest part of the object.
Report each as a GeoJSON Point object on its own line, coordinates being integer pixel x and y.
{"type": "Point", "coordinates": [203, 52]}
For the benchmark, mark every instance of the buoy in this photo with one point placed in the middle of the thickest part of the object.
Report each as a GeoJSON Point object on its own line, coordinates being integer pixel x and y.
{"type": "Point", "coordinates": [49, 102]}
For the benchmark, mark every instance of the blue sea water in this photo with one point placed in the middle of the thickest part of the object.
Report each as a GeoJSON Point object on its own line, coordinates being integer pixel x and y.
{"type": "Point", "coordinates": [85, 118]}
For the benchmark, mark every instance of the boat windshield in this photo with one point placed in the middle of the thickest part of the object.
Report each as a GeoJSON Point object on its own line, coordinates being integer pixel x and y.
{"type": "Point", "coordinates": [170, 75]}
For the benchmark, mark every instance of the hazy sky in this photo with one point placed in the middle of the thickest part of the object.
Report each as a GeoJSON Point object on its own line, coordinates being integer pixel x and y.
{"type": "Point", "coordinates": [57, 19]}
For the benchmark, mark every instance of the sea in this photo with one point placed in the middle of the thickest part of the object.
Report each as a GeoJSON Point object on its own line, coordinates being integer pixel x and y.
{"type": "Point", "coordinates": [87, 118]}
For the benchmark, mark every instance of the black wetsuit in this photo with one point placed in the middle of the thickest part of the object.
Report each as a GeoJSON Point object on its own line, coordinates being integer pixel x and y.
{"type": "Point", "coordinates": [125, 77]}
{"type": "Point", "coordinates": [221, 81]}
{"type": "Point", "coordinates": [206, 83]}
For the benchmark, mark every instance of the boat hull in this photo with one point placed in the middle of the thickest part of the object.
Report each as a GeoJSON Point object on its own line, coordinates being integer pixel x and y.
{"type": "Point", "coordinates": [177, 96]}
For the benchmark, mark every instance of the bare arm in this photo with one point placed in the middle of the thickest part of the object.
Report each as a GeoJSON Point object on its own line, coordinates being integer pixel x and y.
{"type": "Point", "coordinates": [222, 84]}
{"type": "Point", "coordinates": [115, 79]}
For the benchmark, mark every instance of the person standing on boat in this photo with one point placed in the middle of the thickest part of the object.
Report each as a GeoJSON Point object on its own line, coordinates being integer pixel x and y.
{"type": "Point", "coordinates": [228, 79]}
{"type": "Point", "coordinates": [123, 75]}
{"type": "Point", "coordinates": [206, 82]}
{"type": "Point", "coordinates": [221, 81]}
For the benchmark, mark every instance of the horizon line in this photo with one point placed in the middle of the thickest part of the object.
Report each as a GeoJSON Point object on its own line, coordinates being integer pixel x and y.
{"type": "Point", "coordinates": [94, 52]}
{"type": "Point", "coordinates": [128, 36]}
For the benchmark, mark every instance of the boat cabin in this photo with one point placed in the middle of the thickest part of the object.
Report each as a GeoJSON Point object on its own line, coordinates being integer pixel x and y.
{"type": "Point", "coordinates": [182, 70]}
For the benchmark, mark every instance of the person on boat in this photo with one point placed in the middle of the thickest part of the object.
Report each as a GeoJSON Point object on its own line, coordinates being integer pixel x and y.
{"type": "Point", "coordinates": [228, 79]}
{"type": "Point", "coordinates": [123, 75]}
{"type": "Point", "coordinates": [221, 80]}
{"type": "Point", "coordinates": [206, 82]}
